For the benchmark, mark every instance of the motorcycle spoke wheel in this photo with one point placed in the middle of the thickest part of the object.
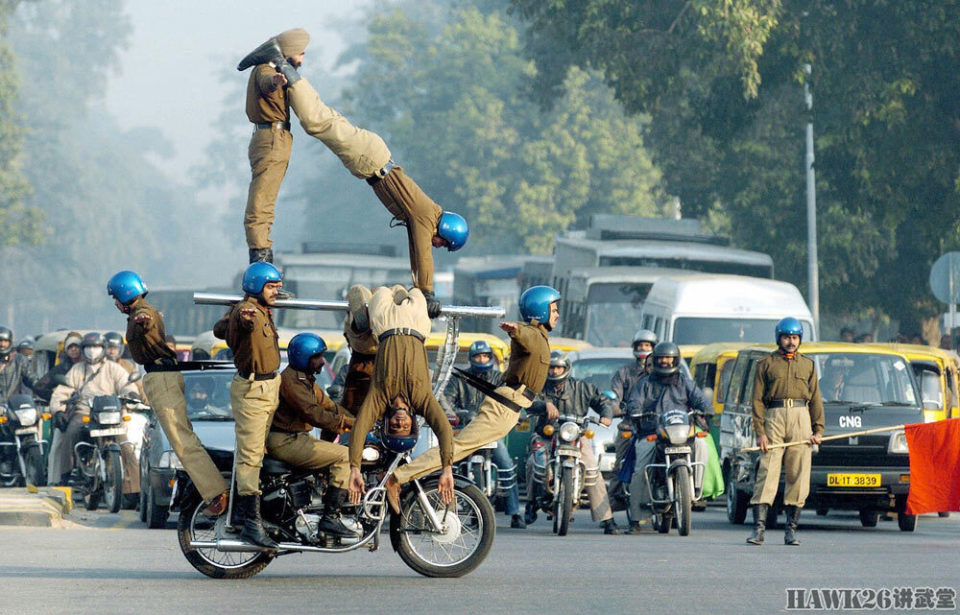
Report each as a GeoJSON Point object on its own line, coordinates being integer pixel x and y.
{"type": "Point", "coordinates": [113, 485]}
{"type": "Point", "coordinates": [684, 500]}
{"type": "Point", "coordinates": [193, 525]}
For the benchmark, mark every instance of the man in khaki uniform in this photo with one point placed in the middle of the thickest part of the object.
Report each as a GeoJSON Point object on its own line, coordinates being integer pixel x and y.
{"type": "Point", "coordinates": [254, 392]}
{"type": "Point", "coordinates": [401, 379]}
{"type": "Point", "coordinates": [523, 380]}
{"type": "Point", "coordinates": [367, 157]}
{"type": "Point", "coordinates": [787, 407]}
{"type": "Point", "coordinates": [304, 405]}
{"type": "Point", "coordinates": [363, 349]}
{"type": "Point", "coordinates": [164, 387]}
{"type": "Point", "coordinates": [269, 152]}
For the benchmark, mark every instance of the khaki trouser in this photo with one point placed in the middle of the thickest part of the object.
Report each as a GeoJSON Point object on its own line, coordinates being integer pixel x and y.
{"type": "Point", "coordinates": [269, 154]}
{"type": "Point", "coordinates": [599, 502]}
{"type": "Point", "coordinates": [493, 421]}
{"type": "Point", "coordinates": [165, 390]}
{"type": "Point", "coordinates": [301, 450]}
{"type": "Point", "coordinates": [785, 425]}
{"type": "Point", "coordinates": [254, 402]}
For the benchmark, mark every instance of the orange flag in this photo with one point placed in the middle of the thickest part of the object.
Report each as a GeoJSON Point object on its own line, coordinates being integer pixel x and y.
{"type": "Point", "coordinates": [934, 466]}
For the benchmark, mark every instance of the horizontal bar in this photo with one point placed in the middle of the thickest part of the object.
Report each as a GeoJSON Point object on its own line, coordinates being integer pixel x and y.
{"type": "Point", "coordinates": [341, 306]}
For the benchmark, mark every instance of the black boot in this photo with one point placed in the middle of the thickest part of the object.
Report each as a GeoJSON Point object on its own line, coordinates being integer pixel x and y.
{"type": "Point", "coordinates": [332, 522]}
{"type": "Point", "coordinates": [267, 52]}
{"type": "Point", "coordinates": [264, 255]}
{"type": "Point", "coordinates": [792, 514]}
{"type": "Point", "coordinates": [252, 524]}
{"type": "Point", "coordinates": [760, 524]}
{"type": "Point", "coordinates": [610, 527]}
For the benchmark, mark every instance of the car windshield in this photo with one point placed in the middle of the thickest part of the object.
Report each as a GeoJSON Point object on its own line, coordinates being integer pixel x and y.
{"type": "Point", "coordinates": [614, 312]}
{"type": "Point", "coordinates": [712, 330]}
{"type": "Point", "coordinates": [868, 379]}
{"type": "Point", "coordinates": [208, 395]}
{"type": "Point", "coordinates": [598, 371]}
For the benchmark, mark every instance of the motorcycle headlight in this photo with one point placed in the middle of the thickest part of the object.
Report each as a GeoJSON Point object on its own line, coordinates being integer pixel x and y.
{"type": "Point", "coordinates": [27, 416]}
{"type": "Point", "coordinates": [108, 418]}
{"type": "Point", "coordinates": [370, 453]}
{"type": "Point", "coordinates": [569, 431]}
{"type": "Point", "coordinates": [169, 459]}
{"type": "Point", "coordinates": [898, 443]}
{"type": "Point", "coordinates": [678, 434]}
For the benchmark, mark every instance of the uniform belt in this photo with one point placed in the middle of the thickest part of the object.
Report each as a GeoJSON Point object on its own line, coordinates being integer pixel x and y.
{"type": "Point", "coordinates": [373, 179]}
{"type": "Point", "coordinates": [526, 392]}
{"type": "Point", "coordinates": [268, 125]}
{"type": "Point", "coordinates": [172, 365]}
{"type": "Point", "coordinates": [786, 403]}
{"type": "Point", "coordinates": [400, 331]}
{"type": "Point", "coordinates": [255, 376]}
{"type": "Point", "coordinates": [285, 431]}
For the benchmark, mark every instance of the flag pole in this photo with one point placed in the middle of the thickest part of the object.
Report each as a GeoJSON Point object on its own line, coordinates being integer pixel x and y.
{"type": "Point", "coordinates": [853, 434]}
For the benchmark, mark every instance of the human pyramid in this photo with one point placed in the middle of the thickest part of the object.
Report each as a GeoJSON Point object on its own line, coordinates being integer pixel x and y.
{"type": "Point", "coordinates": [388, 376]}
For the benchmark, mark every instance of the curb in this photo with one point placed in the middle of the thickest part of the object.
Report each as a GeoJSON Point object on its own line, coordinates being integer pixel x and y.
{"type": "Point", "coordinates": [34, 508]}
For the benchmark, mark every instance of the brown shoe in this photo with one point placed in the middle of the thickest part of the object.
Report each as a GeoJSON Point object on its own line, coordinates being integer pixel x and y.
{"type": "Point", "coordinates": [393, 493]}
{"type": "Point", "coordinates": [216, 507]}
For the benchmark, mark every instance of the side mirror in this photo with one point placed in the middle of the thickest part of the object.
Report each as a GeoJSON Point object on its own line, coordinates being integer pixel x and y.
{"type": "Point", "coordinates": [134, 376]}
{"type": "Point", "coordinates": [708, 393]}
{"type": "Point", "coordinates": [610, 395]}
{"type": "Point", "coordinates": [334, 392]}
{"type": "Point", "coordinates": [59, 379]}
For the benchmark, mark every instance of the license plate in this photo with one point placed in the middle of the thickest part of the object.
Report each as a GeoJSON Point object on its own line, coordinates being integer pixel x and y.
{"type": "Point", "coordinates": [676, 450]}
{"type": "Point", "coordinates": [575, 452]}
{"type": "Point", "coordinates": [853, 480]}
{"type": "Point", "coordinates": [114, 431]}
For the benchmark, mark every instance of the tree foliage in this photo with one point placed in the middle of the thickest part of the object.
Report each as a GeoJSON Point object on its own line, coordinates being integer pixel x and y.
{"type": "Point", "coordinates": [722, 80]}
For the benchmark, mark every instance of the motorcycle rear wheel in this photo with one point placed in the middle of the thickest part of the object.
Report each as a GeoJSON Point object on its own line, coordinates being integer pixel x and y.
{"type": "Point", "coordinates": [113, 485]}
{"type": "Point", "coordinates": [564, 506]}
{"type": "Point", "coordinates": [684, 500]}
{"type": "Point", "coordinates": [446, 555]}
{"type": "Point", "coordinates": [193, 525]}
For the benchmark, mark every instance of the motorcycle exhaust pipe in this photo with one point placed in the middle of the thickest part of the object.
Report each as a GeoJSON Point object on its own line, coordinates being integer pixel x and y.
{"type": "Point", "coordinates": [227, 545]}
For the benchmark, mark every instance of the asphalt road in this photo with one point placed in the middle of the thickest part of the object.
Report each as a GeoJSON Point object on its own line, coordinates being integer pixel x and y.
{"type": "Point", "coordinates": [105, 564]}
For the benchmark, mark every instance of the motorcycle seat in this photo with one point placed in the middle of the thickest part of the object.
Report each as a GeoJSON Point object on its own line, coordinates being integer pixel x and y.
{"type": "Point", "coordinates": [275, 466]}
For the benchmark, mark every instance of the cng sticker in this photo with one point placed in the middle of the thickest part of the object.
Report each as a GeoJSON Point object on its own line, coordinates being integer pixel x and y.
{"type": "Point", "coordinates": [851, 421]}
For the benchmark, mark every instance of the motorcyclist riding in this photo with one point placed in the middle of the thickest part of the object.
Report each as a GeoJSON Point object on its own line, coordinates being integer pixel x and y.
{"type": "Point", "coordinates": [566, 396]}
{"type": "Point", "coordinates": [461, 396]}
{"type": "Point", "coordinates": [14, 376]}
{"type": "Point", "coordinates": [665, 389]}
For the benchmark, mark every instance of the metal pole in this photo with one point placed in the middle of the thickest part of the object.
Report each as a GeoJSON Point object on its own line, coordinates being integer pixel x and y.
{"type": "Point", "coordinates": [341, 306]}
{"type": "Point", "coordinates": [953, 302]}
{"type": "Point", "coordinates": [813, 275]}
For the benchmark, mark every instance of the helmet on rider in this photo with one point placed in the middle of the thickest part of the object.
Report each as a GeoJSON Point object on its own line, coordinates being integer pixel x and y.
{"type": "Point", "coordinates": [301, 350]}
{"type": "Point", "coordinates": [6, 342]}
{"type": "Point", "coordinates": [453, 229]}
{"type": "Point", "coordinates": [113, 345]}
{"type": "Point", "coordinates": [643, 342]}
{"type": "Point", "coordinates": [480, 347]}
{"type": "Point", "coordinates": [789, 326]}
{"type": "Point", "coordinates": [670, 352]}
{"type": "Point", "coordinates": [535, 304]}
{"type": "Point", "coordinates": [92, 347]}
{"type": "Point", "coordinates": [398, 430]}
{"type": "Point", "coordinates": [25, 344]}
{"type": "Point", "coordinates": [559, 366]}
{"type": "Point", "coordinates": [257, 275]}
{"type": "Point", "coordinates": [125, 286]}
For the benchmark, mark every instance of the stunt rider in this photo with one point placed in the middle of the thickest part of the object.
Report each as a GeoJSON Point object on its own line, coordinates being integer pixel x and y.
{"type": "Point", "coordinates": [787, 407]}
{"type": "Point", "coordinates": [460, 395]}
{"type": "Point", "coordinates": [303, 405]}
{"type": "Point", "coordinates": [94, 376]}
{"type": "Point", "coordinates": [366, 156]}
{"type": "Point", "coordinates": [499, 412]}
{"type": "Point", "coordinates": [164, 387]}
{"type": "Point", "coordinates": [254, 391]}
{"type": "Point", "coordinates": [667, 388]}
{"type": "Point", "coordinates": [566, 396]}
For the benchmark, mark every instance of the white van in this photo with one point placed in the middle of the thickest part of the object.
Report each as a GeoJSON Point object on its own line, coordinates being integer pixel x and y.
{"type": "Point", "coordinates": [694, 309]}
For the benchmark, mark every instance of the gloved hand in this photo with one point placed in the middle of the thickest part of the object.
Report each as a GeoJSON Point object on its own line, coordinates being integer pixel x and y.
{"type": "Point", "coordinates": [433, 306]}
{"type": "Point", "coordinates": [700, 420]}
{"type": "Point", "coordinates": [60, 421]}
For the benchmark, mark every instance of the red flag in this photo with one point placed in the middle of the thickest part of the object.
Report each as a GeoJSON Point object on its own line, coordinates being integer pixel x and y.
{"type": "Point", "coordinates": [934, 466]}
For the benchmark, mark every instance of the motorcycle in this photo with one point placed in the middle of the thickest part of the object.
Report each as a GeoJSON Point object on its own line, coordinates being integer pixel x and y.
{"type": "Point", "coordinates": [21, 448]}
{"type": "Point", "coordinates": [672, 480]}
{"type": "Point", "coordinates": [97, 455]}
{"type": "Point", "coordinates": [559, 476]}
{"type": "Point", "coordinates": [433, 539]}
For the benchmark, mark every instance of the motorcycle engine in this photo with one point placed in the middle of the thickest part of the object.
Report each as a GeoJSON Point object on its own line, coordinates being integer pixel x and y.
{"type": "Point", "coordinates": [306, 526]}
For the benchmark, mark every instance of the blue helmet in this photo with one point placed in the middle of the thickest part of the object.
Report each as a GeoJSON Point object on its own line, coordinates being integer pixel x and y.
{"type": "Point", "coordinates": [257, 275]}
{"type": "Point", "coordinates": [480, 347]}
{"type": "Point", "coordinates": [535, 303]}
{"type": "Point", "coordinates": [302, 348]}
{"type": "Point", "coordinates": [789, 326]}
{"type": "Point", "coordinates": [395, 443]}
{"type": "Point", "coordinates": [453, 227]}
{"type": "Point", "coordinates": [125, 286]}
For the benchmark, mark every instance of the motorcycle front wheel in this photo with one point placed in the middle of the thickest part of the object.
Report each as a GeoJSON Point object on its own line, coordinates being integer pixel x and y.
{"type": "Point", "coordinates": [90, 472]}
{"type": "Point", "coordinates": [36, 471]}
{"type": "Point", "coordinates": [193, 525]}
{"type": "Point", "coordinates": [113, 484]}
{"type": "Point", "coordinates": [684, 500]}
{"type": "Point", "coordinates": [564, 507]}
{"type": "Point", "coordinates": [467, 535]}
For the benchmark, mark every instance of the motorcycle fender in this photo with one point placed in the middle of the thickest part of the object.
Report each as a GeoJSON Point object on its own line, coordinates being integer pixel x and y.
{"type": "Point", "coordinates": [27, 443]}
{"type": "Point", "coordinates": [680, 462]}
{"type": "Point", "coordinates": [570, 463]}
{"type": "Point", "coordinates": [110, 447]}
{"type": "Point", "coordinates": [185, 491]}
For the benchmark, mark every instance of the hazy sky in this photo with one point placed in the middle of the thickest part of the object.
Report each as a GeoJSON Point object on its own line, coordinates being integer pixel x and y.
{"type": "Point", "coordinates": [170, 77]}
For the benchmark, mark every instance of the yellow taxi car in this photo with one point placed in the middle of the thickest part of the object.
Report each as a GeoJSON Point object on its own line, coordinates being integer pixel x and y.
{"type": "Point", "coordinates": [937, 374]}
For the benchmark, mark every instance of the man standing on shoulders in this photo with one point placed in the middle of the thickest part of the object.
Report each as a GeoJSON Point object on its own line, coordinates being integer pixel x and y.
{"type": "Point", "coordinates": [787, 407]}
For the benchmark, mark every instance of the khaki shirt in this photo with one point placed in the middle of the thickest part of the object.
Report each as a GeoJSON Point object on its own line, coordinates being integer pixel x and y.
{"type": "Point", "coordinates": [147, 341]}
{"type": "Point", "coordinates": [778, 377]}
{"type": "Point", "coordinates": [264, 104]}
{"type": "Point", "coordinates": [105, 378]}
{"type": "Point", "coordinates": [304, 405]}
{"type": "Point", "coordinates": [255, 346]}
{"type": "Point", "coordinates": [529, 357]}
{"type": "Point", "coordinates": [395, 308]}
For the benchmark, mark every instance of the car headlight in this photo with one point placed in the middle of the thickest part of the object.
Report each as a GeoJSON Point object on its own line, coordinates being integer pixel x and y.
{"type": "Point", "coordinates": [108, 418]}
{"type": "Point", "coordinates": [169, 459]}
{"type": "Point", "coordinates": [569, 431]}
{"type": "Point", "coordinates": [678, 434]}
{"type": "Point", "coordinates": [898, 443]}
{"type": "Point", "coordinates": [370, 453]}
{"type": "Point", "coordinates": [27, 416]}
